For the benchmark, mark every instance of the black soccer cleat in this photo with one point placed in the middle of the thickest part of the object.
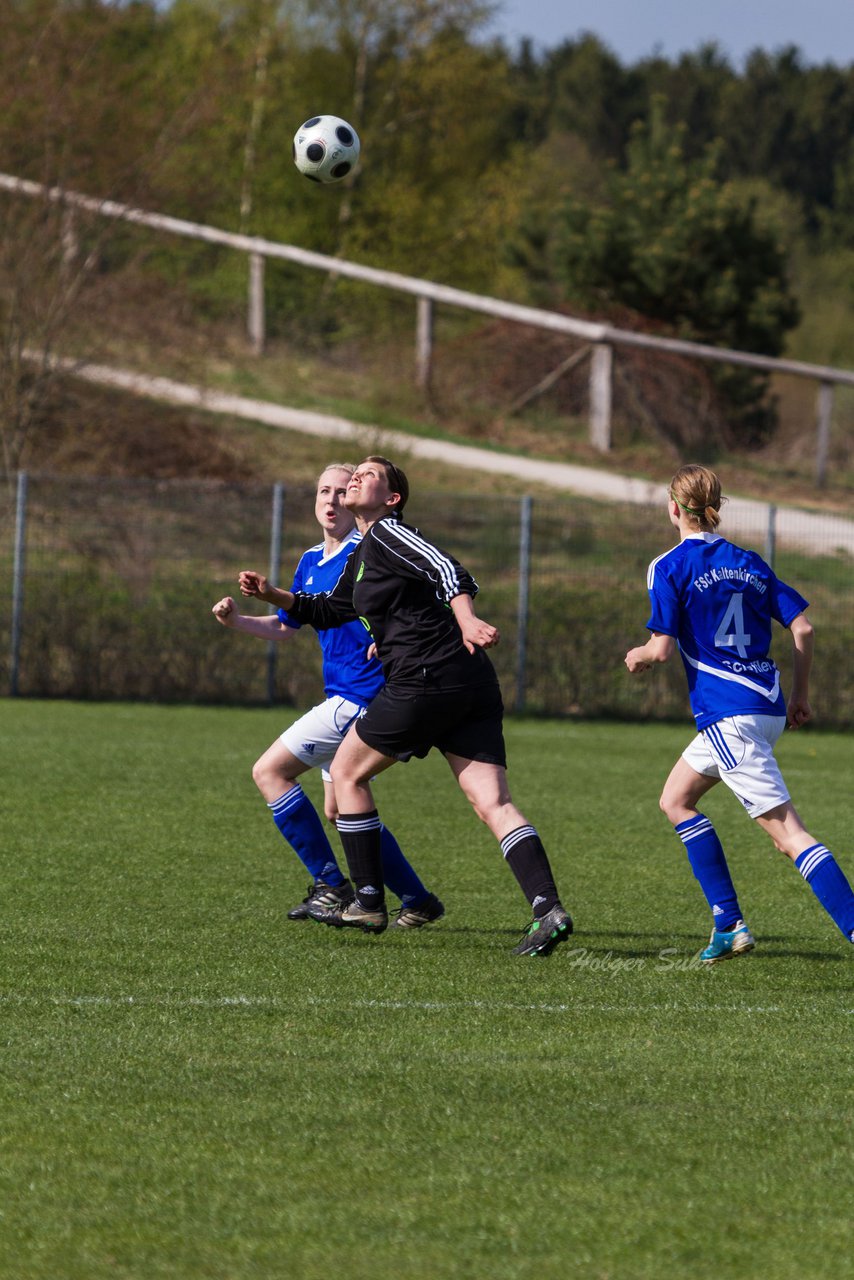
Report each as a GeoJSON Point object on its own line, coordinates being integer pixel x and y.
{"type": "Point", "coordinates": [351, 915]}
{"type": "Point", "coordinates": [323, 895]}
{"type": "Point", "coordinates": [542, 936]}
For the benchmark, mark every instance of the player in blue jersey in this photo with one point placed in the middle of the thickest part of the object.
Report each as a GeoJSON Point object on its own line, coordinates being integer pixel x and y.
{"type": "Point", "coordinates": [351, 679]}
{"type": "Point", "coordinates": [715, 602]}
{"type": "Point", "coordinates": [441, 691]}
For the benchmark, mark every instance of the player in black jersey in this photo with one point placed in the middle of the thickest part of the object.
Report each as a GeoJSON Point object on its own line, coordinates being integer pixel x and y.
{"type": "Point", "coordinates": [441, 691]}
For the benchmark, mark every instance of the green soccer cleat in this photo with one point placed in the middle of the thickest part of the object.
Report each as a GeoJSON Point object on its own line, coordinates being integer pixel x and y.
{"type": "Point", "coordinates": [726, 943]}
{"type": "Point", "coordinates": [542, 936]}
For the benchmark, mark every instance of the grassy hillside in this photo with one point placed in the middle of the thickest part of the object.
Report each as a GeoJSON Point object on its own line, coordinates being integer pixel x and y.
{"type": "Point", "coordinates": [482, 371]}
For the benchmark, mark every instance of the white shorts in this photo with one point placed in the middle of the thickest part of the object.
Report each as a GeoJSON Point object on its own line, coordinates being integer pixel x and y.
{"type": "Point", "coordinates": [740, 751]}
{"type": "Point", "coordinates": [317, 735]}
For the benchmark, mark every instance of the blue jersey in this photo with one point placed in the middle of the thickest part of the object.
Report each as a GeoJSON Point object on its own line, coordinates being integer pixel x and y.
{"type": "Point", "coordinates": [717, 601]}
{"type": "Point", "coordinates": [347, 673]}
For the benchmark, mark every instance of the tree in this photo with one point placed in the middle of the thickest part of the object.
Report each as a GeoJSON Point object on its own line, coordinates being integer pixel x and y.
{"type": "Point", "coordinates": [592, 94]}
{"type": "Point", "coordinates": [86, 104]}
{"type": "Point", "coordinates": [680, 247]}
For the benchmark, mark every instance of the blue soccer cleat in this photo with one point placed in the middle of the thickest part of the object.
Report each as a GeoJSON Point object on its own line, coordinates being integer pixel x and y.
{"type": "Point", "coordinates": [726, 943]}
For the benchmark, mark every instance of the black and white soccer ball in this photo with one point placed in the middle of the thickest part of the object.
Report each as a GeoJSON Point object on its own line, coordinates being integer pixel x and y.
{"type": "Point", "coordinates": [326, 148]}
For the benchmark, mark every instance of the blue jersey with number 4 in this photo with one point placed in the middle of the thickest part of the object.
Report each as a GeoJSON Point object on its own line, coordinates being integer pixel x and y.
{"type": "Point", "coordinates": [347, 673]}
{"type": "Point", "coordinates": [717, 601]}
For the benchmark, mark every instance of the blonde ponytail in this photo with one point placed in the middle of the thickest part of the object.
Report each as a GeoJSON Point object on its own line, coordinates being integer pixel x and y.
{"type": "Point", "coordinates": [697, 491]}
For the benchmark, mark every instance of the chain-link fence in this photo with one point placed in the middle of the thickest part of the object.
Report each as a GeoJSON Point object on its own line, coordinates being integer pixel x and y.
{"type": "Point", "coordinates": [106, 588]}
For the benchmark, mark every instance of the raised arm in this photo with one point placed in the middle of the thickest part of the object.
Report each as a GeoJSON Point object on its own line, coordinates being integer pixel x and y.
{"type": "Point", "coordinates": [268, 628]}
{"type": "Point", "coordinates": [256, 585]}
{"type": "Point", "coordinates": [798, 710]}
{"type": "Point", "coordinates": [323, 611]}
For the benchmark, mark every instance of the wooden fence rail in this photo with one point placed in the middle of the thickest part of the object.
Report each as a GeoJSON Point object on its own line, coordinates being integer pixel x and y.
{"type": "Point", "coordinates": [602, 338]}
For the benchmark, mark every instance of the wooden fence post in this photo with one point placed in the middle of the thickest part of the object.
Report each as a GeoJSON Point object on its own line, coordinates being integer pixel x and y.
{"type": "Point", "coordinates": [424, 343]}
{"type": "Point", "coordinates": [601, 369]}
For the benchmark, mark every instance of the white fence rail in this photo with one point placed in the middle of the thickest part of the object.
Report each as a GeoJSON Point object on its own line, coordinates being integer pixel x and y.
{"type": "Point", "coordinates": [601, 337]}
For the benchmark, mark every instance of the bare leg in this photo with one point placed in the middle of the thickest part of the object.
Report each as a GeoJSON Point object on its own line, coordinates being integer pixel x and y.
{"type": "Point", "coordinates": [354, 765]}
{"type": "Point", "coordinates": [485, 787]}
{"type": "Point", "coordinates": [682, 792]}
{"type": "Point", "coordinates": [360, 828]}
{"type": "Point", "coordinates": [679, 799]}
{"type": "Point", "coordinates": [276, 771]}
{"type": "Point", "coordinates": [785, 828]}
{"type": "Point", "coordinates": [275, 774]}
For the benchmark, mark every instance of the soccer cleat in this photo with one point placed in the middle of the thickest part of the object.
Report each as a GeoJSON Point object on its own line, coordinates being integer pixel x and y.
{"type": "Point", "coordinates": [324, 895]}
{"type": "Point", "coordinates": [430, 910]}
{"type": "Point", "coordinates": [726, 943]}
{"type": "Point", "coordinates": [543, 935]}
{"type": "Point", "coordinates": [351, 915]}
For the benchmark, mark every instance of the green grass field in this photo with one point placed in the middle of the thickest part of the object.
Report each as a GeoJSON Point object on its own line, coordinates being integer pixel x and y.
{"type": "Point", "coordinates": [193, 1087]}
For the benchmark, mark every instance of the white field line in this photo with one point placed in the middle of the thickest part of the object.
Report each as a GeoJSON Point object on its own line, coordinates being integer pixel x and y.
{"type": "Point", "coordinates": [416, 1006]}
{"type": "Point", "coordinates": [824, 533]}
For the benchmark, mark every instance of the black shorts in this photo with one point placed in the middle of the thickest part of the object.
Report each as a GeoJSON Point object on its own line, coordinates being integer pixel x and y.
{"type": "Point", "coordinates": [408, 721]}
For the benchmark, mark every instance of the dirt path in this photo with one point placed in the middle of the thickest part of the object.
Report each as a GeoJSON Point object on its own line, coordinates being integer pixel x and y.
{"type": "Point", "coordinates": [827, 534]}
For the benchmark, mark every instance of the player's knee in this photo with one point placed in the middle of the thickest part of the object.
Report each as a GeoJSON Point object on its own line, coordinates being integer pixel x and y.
{"type": "Point", "coordinates": [341, 774]}
{"type": "Point", "coordinates": [265, 775]}
{"type": "Point", "coordinates": [484, 808]}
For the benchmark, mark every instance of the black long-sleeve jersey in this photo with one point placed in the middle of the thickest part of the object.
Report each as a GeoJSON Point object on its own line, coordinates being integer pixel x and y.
{"type": "Point", "coordinates": [400, 587]}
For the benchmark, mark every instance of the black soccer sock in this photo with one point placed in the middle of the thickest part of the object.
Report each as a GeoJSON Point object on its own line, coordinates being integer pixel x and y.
{"type": "Point", "coordinates": [527, 859]}
{"type": "Point", "coordinates": [361, 837]}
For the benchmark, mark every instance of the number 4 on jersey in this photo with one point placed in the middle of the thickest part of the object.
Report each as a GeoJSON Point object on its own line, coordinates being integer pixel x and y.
{"type": "Point", "coordinates": [730, 633]}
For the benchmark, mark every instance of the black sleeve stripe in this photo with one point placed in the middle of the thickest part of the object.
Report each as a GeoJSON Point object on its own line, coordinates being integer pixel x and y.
{"type": "Point", "coordinates": [445, 569]}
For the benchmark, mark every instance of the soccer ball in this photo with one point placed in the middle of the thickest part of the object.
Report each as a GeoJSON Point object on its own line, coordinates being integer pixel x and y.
{"type": "Point", "coordinates": [326, 148]}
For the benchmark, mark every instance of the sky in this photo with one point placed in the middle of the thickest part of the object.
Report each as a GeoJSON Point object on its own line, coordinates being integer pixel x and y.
{"type": "Point", "coordinates": [822, 29]}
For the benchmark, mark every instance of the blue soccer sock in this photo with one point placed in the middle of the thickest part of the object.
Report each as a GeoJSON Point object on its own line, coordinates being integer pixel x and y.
{"type": "Point", "coordinates": [706, 856]}
{"type": "Point", "coordinates": [824, 876]}
{"type": "Point", "coordinates": [400, 876]}
{"type": "Point", "coordinates": [298, 821]}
